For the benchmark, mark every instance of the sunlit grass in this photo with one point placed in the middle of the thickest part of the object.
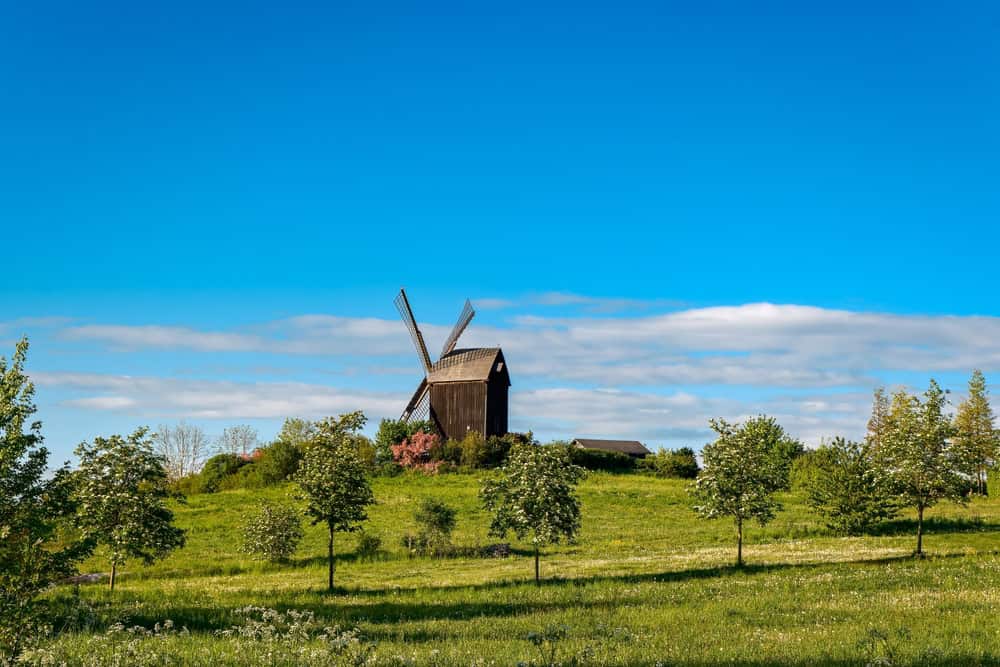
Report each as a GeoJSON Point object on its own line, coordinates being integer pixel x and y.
{"type": "Point", "coordinates": [646, 582]}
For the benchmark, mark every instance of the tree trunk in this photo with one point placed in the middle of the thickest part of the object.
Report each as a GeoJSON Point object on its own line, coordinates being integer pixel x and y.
{"type": "Point", "coordinates": [739, 542]}
{"type": "Point", "coordinates": [920, 530]}
{"type": "Point", "coordinates": [114, 573]}
{"type": "Point", "coordinates": [538, 579]}
{"type": "Point", "coordinates": [329, 555]}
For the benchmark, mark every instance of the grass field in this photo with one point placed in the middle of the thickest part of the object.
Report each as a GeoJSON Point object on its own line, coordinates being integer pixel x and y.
{"type": "Point", "coordinates": [647, 583]}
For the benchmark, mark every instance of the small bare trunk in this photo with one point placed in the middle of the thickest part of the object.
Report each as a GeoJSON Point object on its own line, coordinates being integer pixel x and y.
{"type": "Point", "coordinates": [329, 555]}
{"type": "Point", "coordinates": [538, 579]}
{"type": "Point", "coordinates": [114, 573]}
{"type": "Point", "coordinates": [739, 542]}
{"type": "Point", "coordinates": [920, 530]}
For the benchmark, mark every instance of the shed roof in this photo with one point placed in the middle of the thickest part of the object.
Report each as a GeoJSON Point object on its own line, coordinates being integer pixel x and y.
{"type": "Point", "coordinates": [465, 365]}
{"type": "Point", "coordinates": [633, 447]}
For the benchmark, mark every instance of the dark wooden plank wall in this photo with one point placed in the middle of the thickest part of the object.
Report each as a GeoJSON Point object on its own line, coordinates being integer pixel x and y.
{"type": "Point", "coordinates": [496, 407]}
{"type": "Point", "coordinates": [460, 407]}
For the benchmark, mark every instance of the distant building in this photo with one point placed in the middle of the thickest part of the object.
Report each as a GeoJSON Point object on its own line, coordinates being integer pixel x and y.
{"type": "Point", "coordinates": [632, 448]}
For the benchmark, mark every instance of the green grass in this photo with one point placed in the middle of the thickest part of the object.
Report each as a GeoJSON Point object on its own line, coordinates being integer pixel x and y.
{"type": "Point", "coordinates": [646, 583]}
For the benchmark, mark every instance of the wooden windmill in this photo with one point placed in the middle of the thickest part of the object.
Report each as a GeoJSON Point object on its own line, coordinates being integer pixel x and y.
{"type": "Point", "coordinates": [465, 389]}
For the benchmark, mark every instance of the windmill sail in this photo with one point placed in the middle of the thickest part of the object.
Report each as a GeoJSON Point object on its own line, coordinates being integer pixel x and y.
{"type": "Point", "coordinates": [419, 407]}
{"type": "Point", "coordinates": [403, 306]}
{"type": "Point", "coordinates": [463, 321]}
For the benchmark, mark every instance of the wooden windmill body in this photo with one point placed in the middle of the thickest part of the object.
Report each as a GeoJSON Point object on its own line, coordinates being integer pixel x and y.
{"type": "Point", "coordinates": [465, 389]}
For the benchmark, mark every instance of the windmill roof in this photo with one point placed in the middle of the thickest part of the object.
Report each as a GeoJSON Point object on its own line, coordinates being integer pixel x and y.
{"type": "Point", "coordinates": [623, 446]}
{"type": "Point", "coordinates": [464, 365]}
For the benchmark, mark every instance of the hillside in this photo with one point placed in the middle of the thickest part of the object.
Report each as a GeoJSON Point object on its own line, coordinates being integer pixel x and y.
{"type": "Point", "coordinates": [647, 583]}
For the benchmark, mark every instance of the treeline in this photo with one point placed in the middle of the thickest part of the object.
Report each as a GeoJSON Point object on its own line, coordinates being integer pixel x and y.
{"type": "Point", "coordinates": [398, 446]}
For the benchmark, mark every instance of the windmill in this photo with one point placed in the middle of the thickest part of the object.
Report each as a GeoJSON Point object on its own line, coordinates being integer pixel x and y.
{"type": "Point", "coordinates": [465, 389]}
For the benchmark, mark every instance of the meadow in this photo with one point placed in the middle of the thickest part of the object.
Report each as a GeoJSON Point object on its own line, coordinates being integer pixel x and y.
{"type": "Point", "coordinates": [646, 583]}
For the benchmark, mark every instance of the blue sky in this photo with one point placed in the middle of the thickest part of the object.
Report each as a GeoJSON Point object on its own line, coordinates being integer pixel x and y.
{"type": "Point", "coordinates": [669, 213]}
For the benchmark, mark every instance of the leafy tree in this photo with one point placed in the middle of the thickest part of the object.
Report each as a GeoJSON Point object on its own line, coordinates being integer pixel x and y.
{"type": "Point", "coordinates": [915, 456]}
{"type": "Point", "coordinates": [332, 479]}
{"type": "Point", "coordinates": [845, 487]}
{"type": "Point", "coordinates": [278, 461]}
{"type": "Point", "coordinates": [878, 423]}
{"type": "Point", "coordinates": [272, 533]}
{"type": "Point", "coordinates": [296, 432]}
{"type": "Point", "coordinates": [678, 463]}
{"type": "Point", "coordinates": [32, 504]}
{"type": "Point", "coordinates": [121, 489]}
{"type": "Point", "coordinates": [976, 437]}
{"type": "Point", "coordinates": [535, 494]}
{"type": "Point", "coordinates": [741, 473]}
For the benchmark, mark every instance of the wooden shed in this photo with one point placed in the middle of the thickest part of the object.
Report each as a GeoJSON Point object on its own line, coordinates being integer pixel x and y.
{"type": "Point", "coordinates": [632, 448]}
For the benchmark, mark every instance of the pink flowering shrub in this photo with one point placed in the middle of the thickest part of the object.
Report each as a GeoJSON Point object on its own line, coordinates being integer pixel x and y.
{"type": "Point", "coordinates": [415, 452]}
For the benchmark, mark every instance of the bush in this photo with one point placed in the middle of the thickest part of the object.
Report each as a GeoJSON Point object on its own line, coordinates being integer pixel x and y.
{"type": "Point", "coordinates": [394, 431]}
{"type": "Point", "coordinates": [273, 533]}
{"type": "Point", "coordinates": [278, 461]}
{"type": "Point", "coordinates": [416, 452]}
{"type": "Point", "coordinates": [435, 522]}
{"type": "Point", "coordinates": [596, 459]}
{"type": "Point", "coordinates": [677, 463]}
{"type": "Point", "coordinates": [472, 450]}
{"type": "Point", "coordinates": [369, 545]}
{"type": "Point", "coordinates": [844, 487]}
{"type": "Point", "coordinates": [215, 472]}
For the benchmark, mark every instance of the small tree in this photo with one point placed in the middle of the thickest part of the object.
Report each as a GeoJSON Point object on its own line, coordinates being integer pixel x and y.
{"type": "Point", "coordinates": [535, 494]}
{"type": "Point", "coordinates": [331, 477]}
{"type": "Point", "coordinates": [437, 522]}
{"type": "Point", "coordinates": [33, 501]}
{"type": "Point", "coordinates": [272, 533]}
{"type": "Point", "coordinates": [741, 474]}
{"type": "Point", "coordinates": [976, 438]}
{"type": "Point", "coordinates": [121, 491]}
{"type": "Point", "coordinates": [845, 487]}
{"type": "Point", "coordinates": [916, 457]}
{"type": "Point", "coordinates": [878, 423]}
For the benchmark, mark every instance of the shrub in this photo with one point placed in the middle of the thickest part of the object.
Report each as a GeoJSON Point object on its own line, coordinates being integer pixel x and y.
{"type": "Point", "coordinates": [278, 461]}
{"type": "Point", "coordinates": [436, 522]}
{"type": "Point", "coordinates": [392, 432]}
{"type": "Point", "coordinates": [416, 452]}
{"type": "Point", "coordinates": [216, 470]}
{"type": "Point", "coordinates": [369, 545]}
{"type": "Point", "coordinates": [845, 488]}
{"type": "Point", "coordinates": [677, 463]}
{"type": "Point", "coordinates": [596, 459]}
{"type": "Point", "coordinates": [472, 450]}
{"type": "Point", "coordinates": [273, 533]}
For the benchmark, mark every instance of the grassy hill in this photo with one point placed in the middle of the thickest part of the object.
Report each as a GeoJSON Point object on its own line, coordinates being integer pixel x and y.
{"type": "Point", "coordinates": [647, 583]}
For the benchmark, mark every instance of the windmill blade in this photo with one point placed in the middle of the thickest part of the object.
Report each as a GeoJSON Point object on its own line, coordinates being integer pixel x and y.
{"type": "Point", "coordinates": [463, 321]}
{"type": "Point", "coordinates": [403, 306]}
{"type": "Point", "coordinates": [419, 406]}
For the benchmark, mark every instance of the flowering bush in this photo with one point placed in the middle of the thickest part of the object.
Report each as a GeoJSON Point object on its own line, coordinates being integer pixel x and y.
{"type": "Point", "coordinates": [416, 451]}
{"type": "Point", "coordinates": [273, 533]}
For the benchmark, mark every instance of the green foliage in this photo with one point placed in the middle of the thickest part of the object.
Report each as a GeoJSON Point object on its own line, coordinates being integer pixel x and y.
{"type": "Point", "coordinates": [916, 458]}
{"type": "Point", "coordinates": [676, 463]}
{"type": "Point", "coordinates": [369, 545]}
{"type": "Point", "coordinates": [216, 470]}
{"type": "Point", "coordinates": [435, 524]}
{"type": "Point", "coordinates": [32, 502]}
{"type": "Point", "coordinates": [472, 450]}
{"type": "Point", "coordinates": [977, 441]}
{"type": "Point", "coordinates": [742, 471]}
{"type": "Point", "coordinates": [597, 459]}
{"type": "Point", "coordinates": [121, 490]}
{"type": "Point", "coordinates": [846, 488]}
{"type": "Point", "coordinates": [296, 432]}
{"type": "Point", "coordinates": [272, 533]}
{"type": "Point", "coordinates": [279, 461]}
{"type": "Point", "coordinates": [332, 480]}
{"type": "Point", "coordinates": [535, 495]}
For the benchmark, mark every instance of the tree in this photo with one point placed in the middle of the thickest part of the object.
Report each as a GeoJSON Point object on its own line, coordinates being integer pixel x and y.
{"type": "Point", "coordinates": [976, 438]}
{"type": "Point", "coordinates": [878, 423]}
{"type": "Point", "coordinates": [916, 457]}
{"type": "Point", "coordinates": [239, 440]}
{"type": "Point", "coordinates": [535, 494]}
{"type": "Point", "coordinates": [182, 448]}
{"type": "Point", "coordinates": [331, 478]}
{"type": "Point", "coordinates": [741, 473]}
{"type": "Point", "coordinates": [679, 463]}
{"type": "Point", "coordinates": [845, 487]}
{"type": "Point", "coordinates": [33, 502]}
{"type": "Point", "coordinates": [297, 432]}
{"type": "Point", "coordinates": [121, 489]}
